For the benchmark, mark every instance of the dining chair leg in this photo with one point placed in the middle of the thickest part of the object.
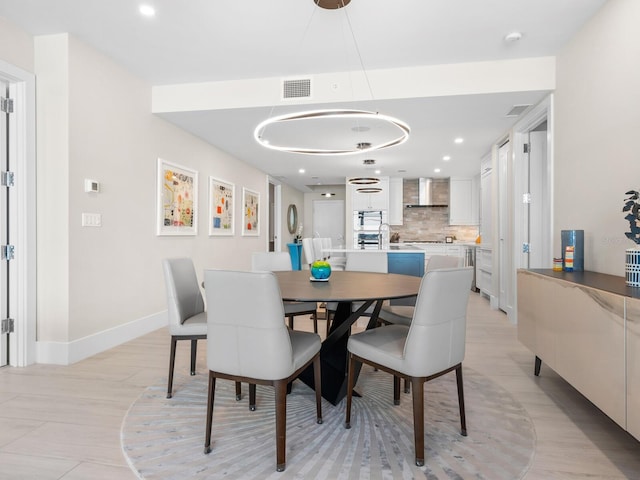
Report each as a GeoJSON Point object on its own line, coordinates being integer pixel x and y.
{"type": "Point", "coordinates": [252, 396]}
{"type": "Point", "coordinates": [207, 435]}
{"type": "Point", "coordinates": [396, 390]}
{"type": "Point", "coordinates": [407, 386]}
{"type": "Point", "coordinates": [172, 362]}
{"type": "Point", "coordinates": [314, 316]}
{"type": "Point", "coordinates": [281, 424]}
{"type": "Point", "coordinates": [463, 419]}
{"type": "Point", "coordinates": [238, 391]}
{"type": "Point", "coordinates": [352, 367]}
{"type": "Point", "coordinates": [417, 387]}
{"type": "Point", "coordinates": [328, 317]}
{"type": "Point", "coordinates": [317, 382]}
{"type": "Point", "coordinates": [194, 351]}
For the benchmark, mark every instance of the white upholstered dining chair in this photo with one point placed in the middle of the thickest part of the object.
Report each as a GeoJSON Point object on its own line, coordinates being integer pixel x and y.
{"type": "Point", "coordinates": [431, 346]}
{"type": "Point", "coordinates": [278, 262]}
{"type": "Point", "coordinates": [249, 342]}
{"type": "Point", "coordinates": [309, 250]}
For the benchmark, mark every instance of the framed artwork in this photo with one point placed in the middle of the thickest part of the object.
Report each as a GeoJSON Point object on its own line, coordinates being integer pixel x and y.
{"type": "Point", "coordinates": [177, 200]}
{"type": "Point", "coordinates": [221, 204]}
{"type": "Point", "coordinates": [250, 212]}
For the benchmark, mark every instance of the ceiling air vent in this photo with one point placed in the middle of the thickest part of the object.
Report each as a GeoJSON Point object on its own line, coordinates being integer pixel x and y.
{"type": "Point", "coordinates": [299, 88]}
{"type": "Point", "coordinates": [517, 110]}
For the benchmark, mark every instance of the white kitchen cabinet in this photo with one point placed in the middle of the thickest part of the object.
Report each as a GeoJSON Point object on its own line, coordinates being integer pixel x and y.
{"type": "Point", "coordinates": [371, 201]}
{"type": "Point", "coordinates": [484, 264]}
{"type": "Point", "coordinates": [486, 180]}
{"type": "Point", "coordinates": [396, 205]}
{"type": "Point", "coordinates": [475, 200]}
{"type": "Point", "coordinates": [461, 202]}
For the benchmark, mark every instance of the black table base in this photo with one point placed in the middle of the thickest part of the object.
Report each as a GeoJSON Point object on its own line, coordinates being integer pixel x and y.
{"type": "Point", "coordinates": [333, 353]}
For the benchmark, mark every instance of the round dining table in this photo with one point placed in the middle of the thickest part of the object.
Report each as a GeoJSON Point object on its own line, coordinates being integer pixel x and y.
{"type": "Point", "coordinates": [346, 288]}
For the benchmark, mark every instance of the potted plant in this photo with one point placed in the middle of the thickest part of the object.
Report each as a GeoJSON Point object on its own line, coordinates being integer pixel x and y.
{"type": "Point", "coordinates": [632, 207]}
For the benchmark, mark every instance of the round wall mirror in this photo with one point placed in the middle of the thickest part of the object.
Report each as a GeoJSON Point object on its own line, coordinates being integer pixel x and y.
{"type": "Point", "coordinates": [292, 218]}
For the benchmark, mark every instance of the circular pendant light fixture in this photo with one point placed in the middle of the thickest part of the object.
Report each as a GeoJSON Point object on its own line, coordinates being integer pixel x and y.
{"type": "Point", "coordinates": [369, 190]}
{"type": "Point", "coordinates": [364, 181]}
{"type": "Point", "coordinates": [332, 4]}
{"type": "Point", "coordinates": [274, 132]}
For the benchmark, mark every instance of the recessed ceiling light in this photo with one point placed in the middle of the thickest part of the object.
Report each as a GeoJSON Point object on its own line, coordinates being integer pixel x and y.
{"type": "Point", "coordinates": [378, 172]}
{"type": "Point", "coordinates": [328, 194]}
{"type": "Point", "coordinates": [446, 158]}
{"type": "Point", "coordinates": [512, 37]}
{"type": "Point", "coordinates": [459, 140]}
{"type": "Point", "coordinates": [147, 10]}
{"type": "Point", "coordinates": [437, 170]}
{"type": "Point", "coordinates": [301, 170]}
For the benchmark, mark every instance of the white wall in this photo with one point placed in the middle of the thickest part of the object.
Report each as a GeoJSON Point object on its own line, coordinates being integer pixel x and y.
{"type": "Point", "coordinates": [93, 281]}
{"type": "Point", "coordinates": [16, 46]}
{"type": "Point", "coordinates": [597, 120]}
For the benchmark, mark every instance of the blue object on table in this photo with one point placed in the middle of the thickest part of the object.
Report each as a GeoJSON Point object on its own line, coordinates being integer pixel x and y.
{"type": "Point", "coordinates": [295, 252]}
{"type": "Point", "coordinates": [574, 238]}
{"type": "Point", "coordinates": [320, 270]}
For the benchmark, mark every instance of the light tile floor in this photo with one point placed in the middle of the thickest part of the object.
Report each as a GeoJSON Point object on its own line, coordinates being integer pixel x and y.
{"type": "Point", "coordinates": [64, 422]}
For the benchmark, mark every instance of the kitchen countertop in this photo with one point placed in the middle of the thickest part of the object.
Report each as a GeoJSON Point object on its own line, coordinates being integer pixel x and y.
{"type": "Point", "coordinates": [404, 247]}
{"type": "Point", "coordinates": [392, 249]}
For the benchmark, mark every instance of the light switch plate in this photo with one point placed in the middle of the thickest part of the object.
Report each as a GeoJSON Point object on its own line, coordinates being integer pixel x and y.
{"type": "Point", "coordinates": [91, 220]}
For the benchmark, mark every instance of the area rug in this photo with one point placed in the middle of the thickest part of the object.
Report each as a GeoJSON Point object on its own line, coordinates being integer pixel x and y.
{"type": "Point", "coordinates": [164, 438]}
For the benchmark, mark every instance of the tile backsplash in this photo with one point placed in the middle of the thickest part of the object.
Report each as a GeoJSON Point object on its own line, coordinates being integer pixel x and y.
{"type": "Point", "coordinates": [430, 223]}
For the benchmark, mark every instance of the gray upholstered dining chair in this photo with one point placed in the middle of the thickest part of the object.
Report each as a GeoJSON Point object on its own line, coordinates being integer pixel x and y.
{"type": "Point", "coordinates": [277, 262]}
{"type": "Point", "coordinates": [433, 345]}
{"type": "Point", "coordinates": [402, 314]}
{"type": "Point", "coordinates": [249, 342]}
{"type": "Point", "coordinates": [373, 261]}
{"type": "Point", "coordinates": [186, 313]}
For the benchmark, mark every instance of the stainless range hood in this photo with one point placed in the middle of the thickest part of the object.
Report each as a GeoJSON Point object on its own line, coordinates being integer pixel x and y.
{"type": "Point", "coordinates": [425, 195]}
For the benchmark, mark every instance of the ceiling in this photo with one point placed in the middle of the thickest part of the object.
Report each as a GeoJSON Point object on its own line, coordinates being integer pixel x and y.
{"type": "Point", "coordinates": [216, 41]}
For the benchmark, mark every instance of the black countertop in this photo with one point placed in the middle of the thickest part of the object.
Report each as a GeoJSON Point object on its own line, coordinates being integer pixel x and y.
{"type": "Point", "coordinates": [601, 281]}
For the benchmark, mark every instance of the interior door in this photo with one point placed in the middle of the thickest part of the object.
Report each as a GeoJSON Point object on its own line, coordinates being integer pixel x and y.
{"type": "Point", "coordinates": [539, 209]}
{"type": "Point", "coordinates": [4, 204]}
{"type": "Point", "coordinates": [504, 236]}
{"type": "Point", "coordinates": [328, 221]}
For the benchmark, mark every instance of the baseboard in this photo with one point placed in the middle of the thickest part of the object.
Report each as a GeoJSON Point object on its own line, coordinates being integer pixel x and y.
{"type": "Point", "coordinates": [66, 353]}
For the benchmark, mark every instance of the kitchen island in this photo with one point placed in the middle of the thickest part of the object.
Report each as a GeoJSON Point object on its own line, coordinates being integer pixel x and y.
{"type": "Point", "coordinates": [410, 258]}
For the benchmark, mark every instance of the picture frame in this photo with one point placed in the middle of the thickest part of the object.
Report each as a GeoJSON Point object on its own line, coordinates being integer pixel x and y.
{"type": "Point", "coordinates": [177, 199]}
{"type": "Point", "coordinates": [221, 207]}
{"type": "Point", "coordinates": [250, 213]}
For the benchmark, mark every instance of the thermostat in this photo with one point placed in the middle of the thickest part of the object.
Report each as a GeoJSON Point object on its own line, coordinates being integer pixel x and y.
{"type": "Point", "coordinates": [91, 186]}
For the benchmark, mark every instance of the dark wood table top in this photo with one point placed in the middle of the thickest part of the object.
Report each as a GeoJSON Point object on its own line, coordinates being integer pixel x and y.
{"type": "Point", "coordinates": [346, 286]}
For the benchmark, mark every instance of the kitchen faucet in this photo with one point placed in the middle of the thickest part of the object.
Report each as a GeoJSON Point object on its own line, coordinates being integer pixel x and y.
{"type": "Point", "coordinates": [381, 241]}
